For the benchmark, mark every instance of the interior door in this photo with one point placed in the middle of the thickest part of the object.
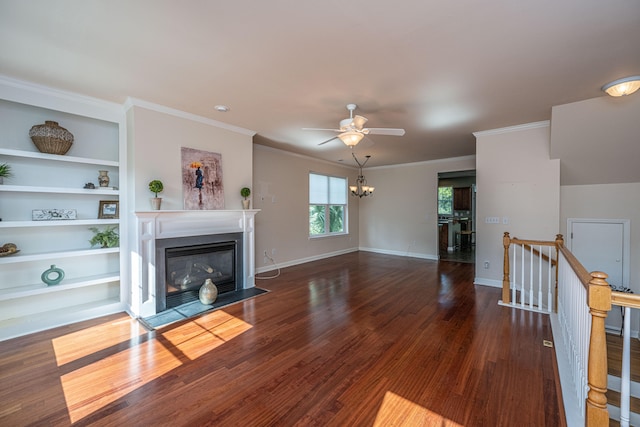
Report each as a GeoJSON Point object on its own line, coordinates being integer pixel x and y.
{"type": "Point", "coordinates": [600, 245]}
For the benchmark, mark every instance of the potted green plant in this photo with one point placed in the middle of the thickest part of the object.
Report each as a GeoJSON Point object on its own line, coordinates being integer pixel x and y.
{"type": "Point", "coordinates": [5, 172]}
{"type": "Point", "coordinates": [156, 187]}
{"type": "Point", "coordinates": [107, 238]}
{"type": "Point", "coordinates": [245, 192]}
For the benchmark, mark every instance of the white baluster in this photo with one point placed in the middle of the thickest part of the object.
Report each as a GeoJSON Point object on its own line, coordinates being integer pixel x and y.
{"type": "Point", "coordinates": [625, 377]}
{"type": "Point", "coordinates": [522, 297]}
{"type": "Point", "coordinates": [540, 277]}
{"type": "Point", "coordinates": [513, 276]}
{"type": "Point", "coordinates": [531, 278]}
{"type": "Point", "coordinates": [551, 285]}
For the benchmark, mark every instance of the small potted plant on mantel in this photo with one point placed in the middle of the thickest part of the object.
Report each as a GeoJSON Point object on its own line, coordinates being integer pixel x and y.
{"type": "Point", "coordinates": [5, 172]}
{"type": "Point", "coordinates": [156, 187]}
{"type": "Point", "coordinates": [245, 192]}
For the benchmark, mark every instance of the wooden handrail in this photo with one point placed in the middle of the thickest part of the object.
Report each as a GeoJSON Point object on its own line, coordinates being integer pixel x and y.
{"type": "Point", "coordinates": [536, 252]}
{"type": "Point", "coordinates": [624, 299]}
{"type": "Point", "coordinates": [580, 271]}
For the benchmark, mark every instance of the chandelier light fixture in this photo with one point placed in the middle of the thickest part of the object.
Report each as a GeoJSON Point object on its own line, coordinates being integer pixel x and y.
{"type": "Point", "coordinates": [361, 189]}
{"type": "Point", "coordinates": [622, 87]}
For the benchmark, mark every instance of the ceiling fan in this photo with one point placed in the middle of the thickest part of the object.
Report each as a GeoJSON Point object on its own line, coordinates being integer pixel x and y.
{"type": "Point", "coordinates": [352, 129]}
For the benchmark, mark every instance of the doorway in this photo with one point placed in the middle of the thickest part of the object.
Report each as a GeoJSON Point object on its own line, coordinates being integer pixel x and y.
{"type": "Point", "coordinates": [456, 216]}
{"type": "Point", "coordinates": [603, 245]}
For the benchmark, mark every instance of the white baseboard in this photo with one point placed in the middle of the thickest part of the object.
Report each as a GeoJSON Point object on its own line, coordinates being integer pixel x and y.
{"type": "Point", "coordinates": [487, 282]}
{"type": "Point", "coordinates": [400, 253]}
{"type": "Point", "coordinates": [291, 263]}
{"type": "Point", "coordinates": [303, 260]}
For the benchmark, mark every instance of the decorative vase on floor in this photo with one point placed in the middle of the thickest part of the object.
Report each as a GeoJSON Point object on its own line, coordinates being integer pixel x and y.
{"type": "Point", "coordinates": [103, 178]}
{"type": "Point", "coordinates": [208, 292]}
{"type": "Point", "coordinates": [156, 202]}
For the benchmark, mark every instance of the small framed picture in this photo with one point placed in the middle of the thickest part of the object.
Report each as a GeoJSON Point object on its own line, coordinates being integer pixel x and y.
{"type": "Point", "coordinates": [109, 209]}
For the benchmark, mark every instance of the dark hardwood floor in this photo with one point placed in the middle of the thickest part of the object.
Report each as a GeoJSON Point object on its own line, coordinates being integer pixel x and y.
{"type": "Point", "coordinates": [357, 340]}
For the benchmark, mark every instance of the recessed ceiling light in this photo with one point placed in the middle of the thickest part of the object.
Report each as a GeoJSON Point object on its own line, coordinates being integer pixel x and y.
{"type": "Point", "coordinates": [222, 108]}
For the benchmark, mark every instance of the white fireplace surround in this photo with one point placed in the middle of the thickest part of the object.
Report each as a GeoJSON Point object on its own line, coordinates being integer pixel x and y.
{"type": "Point", "coordinates": [153, 225]}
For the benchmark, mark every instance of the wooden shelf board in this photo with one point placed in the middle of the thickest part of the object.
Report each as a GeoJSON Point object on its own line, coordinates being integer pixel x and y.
{"type": "Point", "coordinates": [57, 223]}
{"type": "Point", "coordinates": [67, 284]}
{"type": "Point", "coordinates": [56, 157]}
{"type": "Point", "coordinates": [22, 257]}
{"type": "Point", "coordinates": [60, 190]}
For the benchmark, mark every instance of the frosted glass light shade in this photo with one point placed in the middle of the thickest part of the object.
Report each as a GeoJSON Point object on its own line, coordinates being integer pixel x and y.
{"type": "Point", "coordinates": [351, 138]}
{"type": "Point", "coordinates": [621, 87]}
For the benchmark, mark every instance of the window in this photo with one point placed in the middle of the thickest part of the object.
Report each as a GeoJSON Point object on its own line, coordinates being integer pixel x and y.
{"type": "Point", "coordinates": [445, 200]}
{"type": "Point", "coordinates": [327, 200]}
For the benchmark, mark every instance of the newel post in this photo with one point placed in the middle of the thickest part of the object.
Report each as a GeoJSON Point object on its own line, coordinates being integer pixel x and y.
{"type": "Point", "coordinates": [559, 242]}
{"type": "Point", "coordinates": [599, 301]}
{"type": "Point", "coordinates": [506, 292]}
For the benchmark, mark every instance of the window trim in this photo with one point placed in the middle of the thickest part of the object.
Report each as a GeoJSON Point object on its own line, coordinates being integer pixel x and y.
{"type": "Point", "coordinates": [438, 207]}
{"type": "Point", "coordinates": [327, 206]}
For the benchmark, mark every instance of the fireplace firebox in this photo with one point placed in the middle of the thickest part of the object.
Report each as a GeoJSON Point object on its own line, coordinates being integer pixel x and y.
{"type": "Point", "coordinates": [184, 263]}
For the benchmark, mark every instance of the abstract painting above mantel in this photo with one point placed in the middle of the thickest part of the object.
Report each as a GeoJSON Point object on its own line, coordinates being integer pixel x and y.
{"type": "Point", "coordinates": [202, 187]}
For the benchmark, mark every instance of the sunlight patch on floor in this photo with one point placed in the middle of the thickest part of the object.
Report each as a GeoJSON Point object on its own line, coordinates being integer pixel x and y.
{"type": "Point", "coordinates": [77, 345]}
{"type": "Point", "coordinates": [94, 386]}
{"type": "Point", "coordinates": [203, 334]}
{"type": "Point", "coordinates": [398, 411]}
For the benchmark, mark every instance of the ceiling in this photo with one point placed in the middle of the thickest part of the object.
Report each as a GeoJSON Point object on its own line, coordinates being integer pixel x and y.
{"type": "Point", "coordinates": [440, 70]}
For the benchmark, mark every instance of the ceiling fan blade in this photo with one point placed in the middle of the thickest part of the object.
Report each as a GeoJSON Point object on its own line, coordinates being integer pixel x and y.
{"type": "Point", "coordinates": [332, 130]}
{"type": "Point", "coordinates": [386, 131]}
{"type": "Point", "coordinates": [359, 121]}
{"type": "Point", "coordinates": [328, 140]}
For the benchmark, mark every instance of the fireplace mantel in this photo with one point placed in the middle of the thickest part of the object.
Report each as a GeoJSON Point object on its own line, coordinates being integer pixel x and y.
{"type": "Point", "coordinates": [152, 225]}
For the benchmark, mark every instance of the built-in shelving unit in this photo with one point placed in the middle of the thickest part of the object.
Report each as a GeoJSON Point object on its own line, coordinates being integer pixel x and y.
{"type": "Point", "coordinates": [92, 284]}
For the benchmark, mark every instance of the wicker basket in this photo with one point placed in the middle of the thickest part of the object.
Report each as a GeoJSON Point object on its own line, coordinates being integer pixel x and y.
{"type": "Point", "coordinates": [51, 138]}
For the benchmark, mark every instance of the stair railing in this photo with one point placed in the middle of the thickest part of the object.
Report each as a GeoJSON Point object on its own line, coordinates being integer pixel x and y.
{"type": "Point", "coordinates": [530, 276]}
{"type": "Point", "coordinates": [582, 301]}
{"type": "Point", "coordinates": [627, 302]}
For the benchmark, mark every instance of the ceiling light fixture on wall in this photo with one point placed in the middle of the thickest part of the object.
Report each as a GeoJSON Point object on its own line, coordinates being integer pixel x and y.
{"type": "Point", "coordinates": [221, 108]}
{"type": "Point", "coordinates": [621, 87]}
{"type": "Point", "coordinates": [361, 189]}
{"type": "Point", "coordinates": [351, 138]}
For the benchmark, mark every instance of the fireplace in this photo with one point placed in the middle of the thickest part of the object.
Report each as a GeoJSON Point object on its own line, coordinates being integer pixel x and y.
{"type": "Point", "coordinates": [184, 263]}
{"type": "Point", "coordinates": [177, 229]}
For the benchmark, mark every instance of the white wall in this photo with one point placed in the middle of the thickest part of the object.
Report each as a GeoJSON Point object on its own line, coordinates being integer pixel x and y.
{"type": "Point", "coordinates": [607, 201]}
{"type": "Point", "coordinates": [155, 137]}
{"type": "Point", "coordinates": [281, 192]}
{"type": "Point", "coordinates": [515, 179]}
{"type": "Point", "coordinates": [597, 140]}
{"type": "Point", "coordinates": [402, 216]}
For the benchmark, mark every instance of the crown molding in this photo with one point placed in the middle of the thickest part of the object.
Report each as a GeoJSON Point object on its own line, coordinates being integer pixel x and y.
{"type": "Point", "coordinates": [301, 156]}
{"type": "Point", "coordinates": [533, 125]}
{"type": "Point", "coordinates": [426, 162]}
{"type": "Point", "coordinates": [56, 99]}
{"type": "Point", "coordinates": [135, 102]}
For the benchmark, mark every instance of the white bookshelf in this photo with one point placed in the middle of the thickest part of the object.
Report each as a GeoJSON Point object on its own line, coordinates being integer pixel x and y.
{"type": "Point", "coordinates": [92, 284]}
